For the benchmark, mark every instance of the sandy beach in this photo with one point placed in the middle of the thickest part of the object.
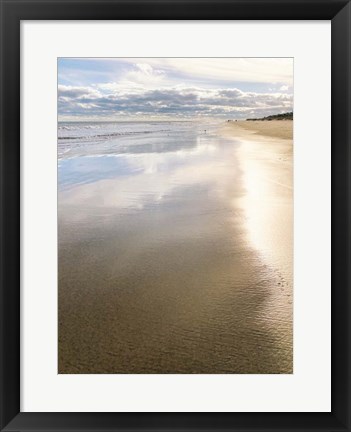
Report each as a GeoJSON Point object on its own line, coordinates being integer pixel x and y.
{"type": "Point", "coordinates": [178, 260]}
{"type": "Point", "coordinates": [275, 128]}
{"type": "Point", "coordinates": [266, 157]}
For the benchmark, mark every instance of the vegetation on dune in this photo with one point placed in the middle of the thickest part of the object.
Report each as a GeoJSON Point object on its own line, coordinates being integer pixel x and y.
{"type": "Point", "coordinates": [284, 116]}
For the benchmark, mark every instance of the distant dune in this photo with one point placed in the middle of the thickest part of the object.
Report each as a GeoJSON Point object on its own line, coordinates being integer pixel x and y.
{"type": "Point", "coordinates": [284, 116]}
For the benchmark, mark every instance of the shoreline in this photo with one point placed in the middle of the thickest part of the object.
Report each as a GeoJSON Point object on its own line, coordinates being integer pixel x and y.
{"type": "Point", "coordinates": [265, 156]}
{"type": "Point", "coordinates": [266, 159]}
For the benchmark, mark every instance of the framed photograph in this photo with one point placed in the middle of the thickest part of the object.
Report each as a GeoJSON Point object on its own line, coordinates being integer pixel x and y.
{"type": "Point", "coordinates": [175, 215]}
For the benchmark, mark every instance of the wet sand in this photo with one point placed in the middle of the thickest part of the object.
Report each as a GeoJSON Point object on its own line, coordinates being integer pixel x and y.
{"type": "Point", "coordinates": [184, 266]}
{"type": "Point", "coordinates": [266, 158]}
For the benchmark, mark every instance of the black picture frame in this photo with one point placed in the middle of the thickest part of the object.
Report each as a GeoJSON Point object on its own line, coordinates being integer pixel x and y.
{"type": "Point", "coordinates": [12, 12]}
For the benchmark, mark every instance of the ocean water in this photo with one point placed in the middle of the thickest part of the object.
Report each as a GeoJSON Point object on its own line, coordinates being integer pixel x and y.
{"type": "Point", "coordinates": [81, 138]}
{"type": "Point", "coordinates": [157, 273]}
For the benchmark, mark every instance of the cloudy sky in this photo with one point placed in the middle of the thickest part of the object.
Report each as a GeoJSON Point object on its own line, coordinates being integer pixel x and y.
{"type": "Point", "coordinates": [174, 88]}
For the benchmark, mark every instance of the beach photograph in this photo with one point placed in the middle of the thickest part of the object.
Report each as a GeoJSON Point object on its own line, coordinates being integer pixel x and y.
{"type": "Point", "coordinates": [175, 215]}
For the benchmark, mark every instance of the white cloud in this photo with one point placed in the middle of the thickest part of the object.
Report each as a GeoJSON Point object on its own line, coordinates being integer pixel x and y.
{"type": "Point", "coordinates": [182, 87]}
{"type": "Point", "coordinates": [263, 70]}
{"type": "Point", "coordinates": [169, 101]}
{"type": "Point", "coordinates": [70, 92]}
{"type": "Point", "coordinates": [141, 76]}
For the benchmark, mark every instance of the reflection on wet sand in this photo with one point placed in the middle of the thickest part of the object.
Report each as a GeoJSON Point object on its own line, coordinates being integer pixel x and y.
{"type": "Point", "coordinates": [157, 271]}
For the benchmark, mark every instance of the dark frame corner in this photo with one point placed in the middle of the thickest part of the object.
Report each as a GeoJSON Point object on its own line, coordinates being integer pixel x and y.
{"type": "Point", "coordinates": [11, 13]}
